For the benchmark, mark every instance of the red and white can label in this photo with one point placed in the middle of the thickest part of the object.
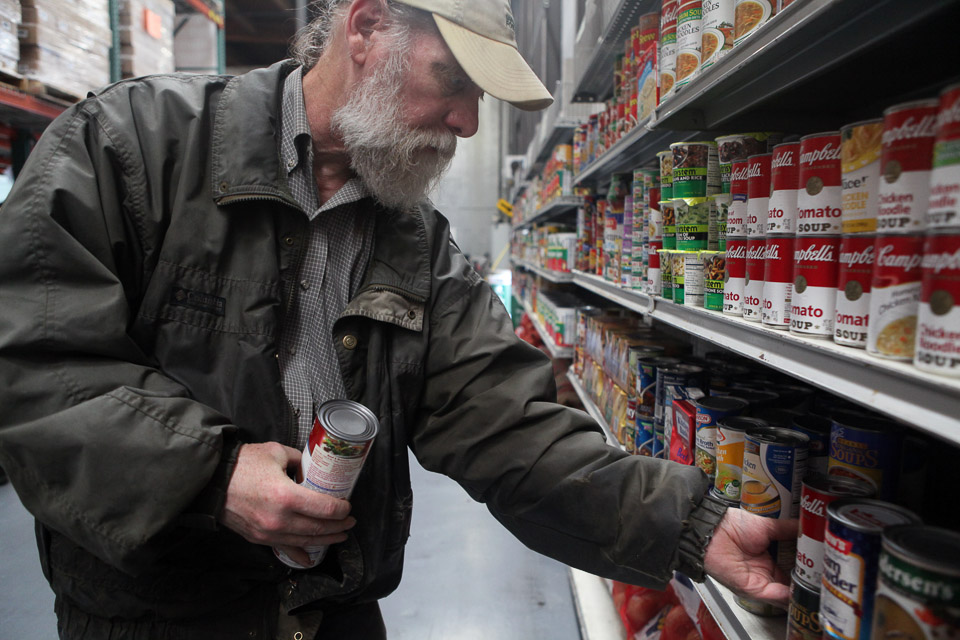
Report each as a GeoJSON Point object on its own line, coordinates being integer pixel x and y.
{"type": "Point", "coordinates": [860, 154]}
{"type": "Point", "coordinates": [943, 211]}
{"type": "Point", "coordinates": [853, 290]}
{"type": "Point", "coordinates": [905, 162]}
{"type": "Point", "coordinates": [785, 171]}
{"type": "Point", "coordinates": [653, 283]}
{"type": "Point", "coordinates": [758, 194]}
{"type": "Point", "coordinates": [777, 281]}
{"type": "Point", "coordinates": [938, 322]}
{"type": "Point", "coordinates": [753, 279]}
{"type": "Point", "coordinates": [819, 195]}
{"type": "Point", "coordinates": [815, 270]}
{"type": "Point", "coordinates": [895, 296]}
{"type": "Point", "coordinates": [734, 279]}
{"type": "Point", "coordinates": [737, 214]}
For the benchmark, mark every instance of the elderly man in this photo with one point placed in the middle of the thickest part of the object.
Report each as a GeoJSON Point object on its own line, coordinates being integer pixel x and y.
{"type": "Point", "coordinates": [190, 266]}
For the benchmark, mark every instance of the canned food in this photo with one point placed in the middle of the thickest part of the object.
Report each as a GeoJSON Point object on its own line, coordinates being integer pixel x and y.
{"type": "Point", "coordinates": [758, 194]}
{"type": "Point", "coordinates": [689, 39]}
{"type": "Point", "coordinates": [646, 383]}
{"type": "Point", "coordinates": [739, 184]}
{"type": "Point", "coordinates": [646, 56]}
{"type": "Point", "coordinates": [668, 214]}
{"type": "Point", "coordinates": [851, 554]}
{"type": "Point", "coordinates": [692, 284]}
{"type": "Point", "coordinates": [803, 621]}
{"type": "Point", "coordinates": [815, 271]}
{"type": "Point", "coordinates": [938, 320]}
{"type": "Point", "coordinates": [735, 277]}
{"type": "Point", "coordinates": [817, 428]}
{"type": "Point", "coordinates": [909, 133]}
{"type": "Point", "coordinates": [818, 491]}
{"type": "Point", "coordinates": [854, 279]}
{"type": "Point", "coordinates": [665, 160]}
{"type": "Point", "coordinates": [943, 211]}
{"type": "Point", "coordinates": [757, 398]}
{"type": "Point", "coordinates": [710, 410]}
{"type": "Point", "coordinates": [819, 197]}
{"type": "Point", "coordinates": [774, 461]}
{"type": "Point", "coordinates": [666, 273]}
{"type": "Point", "coordinates": [785, 175]}
{"type": "Point", "coordinates": [714, 274]}
{"type": "Point", "coordinates": [716, 31]}
{"type": "Point", "coordinates": [693, 222]}
{"type": "Point", "coordinates": [860, 149]}
{"type": "Point", "coordinates": [866, 448]}
{"type": "Point", "coordinates": [667, 60]}
{"type": "Point", "coordinates": [696, 169]}
{"type": "Point", "coordinates": [679, 276]}
{"type": "Point", "coordinates": [918, 594]}
{"type": "Point", "coordinates": [895, 296]}
{"type": "Point", "coordinates": [777, 281]}
{"type": "Point", "coordinates": [676, 382]}
{"type": "Point", "coordinates": [731, 433]}
{"type": "Point", "coordinates": [750, 15]}
{"type": "Point", "coordinates": [342, 434]}
{"type": "Point", "coordinates": [739, 147]}
{"type": "Point", "coordinates": [753, 279]}
{"type": "Point", "coordinates": [655, 219]}
{"type": "Point", "coordinates": [722, 206]}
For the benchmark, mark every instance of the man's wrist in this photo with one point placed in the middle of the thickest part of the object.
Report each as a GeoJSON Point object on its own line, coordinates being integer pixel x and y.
{"type": "Point", "coordinates": [696, 534]}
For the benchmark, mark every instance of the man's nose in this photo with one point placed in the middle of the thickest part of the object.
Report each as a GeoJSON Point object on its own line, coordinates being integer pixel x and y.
{"type": "Point", "coordinates": [463, 119]}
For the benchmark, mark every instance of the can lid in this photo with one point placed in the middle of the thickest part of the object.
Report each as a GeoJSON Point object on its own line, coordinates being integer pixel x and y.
{"type": "Point", "coordinates": [863, 421]}
{"type": "Point", "coordinates": [348, 420]}
{"type": "Point", "coordinates": [932, 548]}
{"type": "Point", "coordinates": [759, 155]}
{"type": "Point", "coordinates": [722, 403]}
{"type": "Point", "coordinates": [822, 134]}
{"type": "Point", "coordinates": [682, 367]}
{"type": "Point", "coordinates": [710, 143]}
{"type": "Point", "coordinates": [861, 123]}
{"type": "Point", "coordinates": [779, 435]}
{"type": "Point", "coordinates": [869, 515]}
{"type": "Point", "coordinates": [915, 104]}
{"type": "Point", "coordinates": [838, 486]}
{"type": "Point", "coordinates": [660, 361]}
{"type": "Point", "coordinates": [740, 423]}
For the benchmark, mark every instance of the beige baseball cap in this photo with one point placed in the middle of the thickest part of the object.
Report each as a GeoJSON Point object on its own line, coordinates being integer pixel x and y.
{"type": "Point", "coordinates": [480, 33]}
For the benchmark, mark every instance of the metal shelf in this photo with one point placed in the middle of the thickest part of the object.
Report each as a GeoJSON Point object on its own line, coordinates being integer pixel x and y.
{"type": "Point", "coordinates": [561, 130]}
{"type": "Point", "coordinates": [629, 298]}
{"type": "Point", "coordinates": [559, 277]}
{"type": "Point", "coordinates": [556, 352]}
{"type": "Point", "coordinates": [598, 617]}
{"type": "Point", "coordinates": [592, 409]}
{"type": "Point", "coordinates": [27, 110]}
{"type": "Point", "coordinates": [553, 209]}
{"type": "Point", "coordinates": [735, 622]}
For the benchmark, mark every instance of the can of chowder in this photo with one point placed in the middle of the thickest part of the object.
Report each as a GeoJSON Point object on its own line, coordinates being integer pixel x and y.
{"type": "Point", "coordinates": [342, 435]}
{"type": "Point", "coordinates": [860, 149]}
{"type": "Point", "coordinates": [750, 15]}
{"type": "Point", "coordinates": [735, 277]}
{"type": "Point", "coordinates": [777, 281]}
{"type": "Point", "coordinates": [737, 215]}
{"type": "Point", "coordinates": [943, 211]}
{"type": "Point", "coordinates": [854, 278]}
{"type": "Point", "coordinates": [710, 410]}
{"type": "Point", "coordinates": [906, 160]}
{"type": "Point", "coordinates": [731, 433]}
{"type": "Point", "coordinates": [758, 194]}
{"type": "Point", "coordinates": [866, 448]}
{"type": "Point", "coordinates": [753, 279]}
{"type": "Point", "coordinates": [938, 320]}
{"type": "Point", "coordinates": [714, 274]}
{"type": "Point", "coordinates": [819, 196]}
{"type": "Point", "coordinates": [815, 270]}
{"type": "Point", "coordinates": [716, 31]}
{"type": "Point", "coordinates": [785, 175]}
{"type": "Point", "coordinates": [851, 555]}
{"type": "Point", "coordinates": [895, 296]}
{"type": "Point", "coordinates": [667, 60]}
{"type": "Point", "coordinates": [803, 616]}
{"type": "Point", "coordinates": [696, 169]}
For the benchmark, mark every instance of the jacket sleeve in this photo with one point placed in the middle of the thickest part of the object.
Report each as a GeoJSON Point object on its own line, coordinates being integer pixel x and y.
{"type": "Point", "coordinates": [491, 422]}
{"type": "Point", "coordinates": [100, 445]}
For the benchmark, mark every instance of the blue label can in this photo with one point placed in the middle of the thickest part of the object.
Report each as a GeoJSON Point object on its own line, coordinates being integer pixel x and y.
{"type": "Point", "coordinates": [867, 448]}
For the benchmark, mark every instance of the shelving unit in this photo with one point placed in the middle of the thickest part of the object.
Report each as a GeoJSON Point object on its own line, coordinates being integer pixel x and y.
{"type": "Point", "coordinates": [556, 351]}
{"type": "Point", "coordinates": [547, 274]}
{"type": "Point", "coordinates": [553, 209]}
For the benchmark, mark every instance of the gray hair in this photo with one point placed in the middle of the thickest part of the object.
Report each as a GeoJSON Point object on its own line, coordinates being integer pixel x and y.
{"type": "Point", "coordinates": [311, 41]}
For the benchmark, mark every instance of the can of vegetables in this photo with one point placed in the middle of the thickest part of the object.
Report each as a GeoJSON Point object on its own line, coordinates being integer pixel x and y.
{"type": "Point", "coordinates": [714, 273]}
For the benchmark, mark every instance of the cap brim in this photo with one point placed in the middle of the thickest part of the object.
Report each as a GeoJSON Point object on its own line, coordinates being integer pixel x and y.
{"type": "Point", "coordinates": [495, 67]}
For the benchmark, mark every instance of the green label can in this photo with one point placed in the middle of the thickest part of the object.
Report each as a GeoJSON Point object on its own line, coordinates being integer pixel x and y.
{"type": "Point", "coordinates": [668, 212]}
{"type": "Point", "coordinates": [666, 273]}
{"type": "Point", "coordinates": [665, 159]}
{"type": "Point", "coordinates": [693, 223]}
{"type": "Point", "coordinates": [717, 238]}
{"type": "Point", "coordinates": [678, 263]}
{"type": "Point", "coordinates": [714, 273]}
{"type": "Point", "coordinates": [696, 169]}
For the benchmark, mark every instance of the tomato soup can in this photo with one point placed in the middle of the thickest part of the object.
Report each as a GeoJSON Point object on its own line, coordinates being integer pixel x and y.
{"type": "Point", "coordinates": [818, 491]}
{"type": "Point", "coordinates": [737, 214]}
{"type": "Point", "coordinates": [668, 213]}
{"type": "Point", "coordinates": [738, 147]}
{"type": "Point", "coordinates": [866, 448]}
{"type": "Point", "coordinates": [676, 382]}
{"type": "Point", "coordinates": [860, 150]}
{"type": "Point", "coordinates": [895, 296]}
{"type": "Point", "coordinates": [817, 428]}
{"type": "Point", "coordinates": [918, 593]}
{"type": "Point", "coordinates": [342, 435]}
{"type": "Point", "coordinates": [851, 555]}
{"type": "Point", "coordinates": [666, 274]}
{"type": "Point", "coordinates": [777, 281]}
{"type": "Point", "coordinates": [854, 279]}
{"type": "Point", "coordinates": [696, 169]}
{"type": "Point", "coordinates": [753, 279]}
{"type": "Point", "coordinates": [714, 274]}
{"type": "Point", "coordinates": [735, 277]}
{"type": "Point", "coordinates": [906, 159]}
{"type": "Point", "coordinates": [803, 615]}
{"type": "Point", "coordinates": [689, 39]}
{"type": "Point", "coordinates": [785, 174]}
{"type": "Point", "coordinates": [943, 211]}
{"type": "Point", "coordinates": [721, 204]}
{"type": "Point", "coordinates": [820, 194]}
{"type": "Point", "coordinates": [816, 267]}
{"type": "Point", "coordinates": [758, 194]}
{"type": "Point", "coordinates": [667, 60]}
{"type": "Point", "coordinates": [750, 15]}
{"type": "Point", "coordinates": [693, 222]}
{"type": "Point", "coordinates": [710, 410]}
{"type": "Point", "coordinates": [938, 320]}
{"type": "Point", "coordinates": [731, 434]}
{"type": "Point", "coordinates": [716, 31]}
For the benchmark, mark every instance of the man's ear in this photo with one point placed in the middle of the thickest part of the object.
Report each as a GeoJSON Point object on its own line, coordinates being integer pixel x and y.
{"type": "Point", "coordinates": [364, 19]}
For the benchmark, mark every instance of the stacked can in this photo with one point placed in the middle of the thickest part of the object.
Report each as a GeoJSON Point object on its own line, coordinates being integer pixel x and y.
{"type": "Point", "coordinates": [714, 274]}
{"type": "Point", "coordinates": [758, 199]}
{"type": "Point", "coordinates": [778, 226]}
{"type": "Point", "coordinates": [750, 15]}
{"type": "Point", "coordinates": [665, 162]}
{"type": "Point", "coordinates": [689, 40]}
{"type": "Point", "coordinates": [906, 161]}
{"type": "Point", "coordinates": [731, 434]}
{"type": "Point", "coordinates": [667, 60]}
{"type": "Point", "coordinates": [654, 233]}
{"type": "Point", "coordinates": [710, 410]}
{"type": "Point", "coordinates": [666, 274]}
{"type": "Point", "coordinates": [716, 31]}
{"type": "Point", "coordinates": [677, 382]}
{"type": "Point", "coordinates": [938, 320]}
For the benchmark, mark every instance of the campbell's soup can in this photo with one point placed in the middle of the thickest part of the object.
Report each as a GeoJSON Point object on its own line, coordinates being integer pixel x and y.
{"type": "Point", "coordinates": [696, 169]}
{"type": "Point", "coordinates": [753, 279]}
{"type": "Point", "coordinates": [866, 448]}
{"type": "Point", "coordinates": [665, 160]}
{"type": "Point", "coordinates": [851, 556]}
{"type": "Point", "coordinates": [758, 194]}
{"type": "Point", "coordinates": [853, 290]}
{"type": "Point", "coordinates": [343, 432]}
{"type": "Point", "coordinates": [716, 31]}
{"type": "Point", "coordinates": [777, 281]}
{"type": "Point", "coordinates": [895, 296]}
{"type": "Point", "coordinates": [818, 491]}
{"type": "Point", "coordinates": [735, 278]}
{"type": "Point", "coordinates": [721, 204]}
{"type": "Point", "coordinates": [785, 175]}
{"type": "Point", "coordinates": [710, 410]}
{"type": "Point", "coordinates": [918, 593]}
{"type": "Point", "coordinates": [816, 267]}
{"type": "Point", "coordinates": [905, 162]}
{"type": "Point", "coordinates": [750, 15]}
{"type": "Point", "coordinates": [737, 214]}
{"type": "Point", "coordinates": [819, 196]}
{"type": "Point", "coordinates": [860, 150]}
{"type": "Point", "coordinates": [938, 319]}
{"type": "Point", "coordinates": [689, 39]}
{"type": "Point", "coordinates": [731, 434]}
{"type": "Point", "coordinates": [803, 616]}
{"type": "Point", "coordinates": [943, 211]}
{"type": "Point", "coordinates": [667, 60]}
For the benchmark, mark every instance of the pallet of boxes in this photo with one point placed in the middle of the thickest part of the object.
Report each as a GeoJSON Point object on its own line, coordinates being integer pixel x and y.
{"type": "Point", "coordinates": [65, 46]}
{"type": "Point", "coordinates": [9, 42]}
{"type": "Point", "coordinates": [146, 37]}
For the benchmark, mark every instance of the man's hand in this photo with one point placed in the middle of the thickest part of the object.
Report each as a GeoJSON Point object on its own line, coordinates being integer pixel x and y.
{"type": "Point", "coordinates": [737, 556]}
{"type": "Point", "coordinates": [266, 507]}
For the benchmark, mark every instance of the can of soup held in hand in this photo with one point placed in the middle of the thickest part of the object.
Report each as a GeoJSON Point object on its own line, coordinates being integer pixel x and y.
{"type": "Point", "coordinates": [731, 433]}
{"type": "Point", "coordinates": [943, 211]}
{"type": "Point", "coordinates": [710, 410]}
{"type": "Point", "coordinates": [343, 432]}
{"type": "Point", "coordinates": [906, 160]}
{"type": "Point", "coordinates": [938, 320]}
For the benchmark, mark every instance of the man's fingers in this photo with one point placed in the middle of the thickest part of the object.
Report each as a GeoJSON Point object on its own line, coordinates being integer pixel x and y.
{"type": "Point", "coordinates": [317, 505]}
{"type": "Point", "coordinates": [783, 529]}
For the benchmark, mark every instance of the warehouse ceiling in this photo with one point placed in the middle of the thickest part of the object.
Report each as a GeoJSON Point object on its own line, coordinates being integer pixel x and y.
{"type": "Point", "coordinates": [258, 32]}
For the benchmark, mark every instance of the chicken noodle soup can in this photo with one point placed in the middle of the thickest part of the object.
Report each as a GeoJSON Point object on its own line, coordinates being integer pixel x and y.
{"type": "Point", "coordinates": [905, 162]}
{"type": "Point", "coordinates": [716, 31]}
{"type": "Point", "coordinates": [750, 15]}
{"type": "Point", "coordinates": [753, 279]}
{"type": "Point", "coordinates": [343, 432]}
{"type": "Point", "coordinates": [667, 60]}
{"type": "Point", "coordinates": [696, 169]}
{"type": "Point", "coordinates": [866, 448]}
{"type": "Point", "coordinates": [815, 269]}
{"type": "Point", "coordinates": [731, 434]}
{"type": "Point", "coordinates": [860, 150]}
{"type": "Point", "coordinates": [851, 555]}
{"type": "Point", "coordinates": [803, 615]}
{"type": "Point", "coordinates": [735, 277]}
{"type": "Point", "coordinates": [820, 194]}
{"type": "Point", "coordinates": [854, 279]}
{"type": "Point", "coordinates": [943, 211]}
{"type": "Point", "coordinates": [737, 214]}
{"type": "Point", "coordinates": [918, 592]}
{"type": "Point", "coordinates": [895, 296]}
{"type": "Point", "coordinates": [693, 222]}
{"type": "Point", "coordinates": [710, 410]}
{"type": "Point", "coordinates": [714, 274]}
{"type": "Point", "coordinates": [668, 214]}
{"type": "Point", "coordinates": [689, 39]}
{"type": "Point", "coordinates": [785, 174]}
{"type": "Point", "coordinates": [777, 282]}
{"type": "Point", "coordinates": [758, 194]}
{"type": "Point", "coordinates": [938, 319]}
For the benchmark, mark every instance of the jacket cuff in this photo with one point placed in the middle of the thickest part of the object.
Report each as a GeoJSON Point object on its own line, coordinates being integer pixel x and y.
{"type": "Point", "coordinates": [696, 534]}
{"type": "Point", "coordinates": [204, 511]}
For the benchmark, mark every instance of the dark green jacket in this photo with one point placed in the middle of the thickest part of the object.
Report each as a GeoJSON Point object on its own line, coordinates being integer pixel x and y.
{"type": "Point", "coordinates": [145, 253]}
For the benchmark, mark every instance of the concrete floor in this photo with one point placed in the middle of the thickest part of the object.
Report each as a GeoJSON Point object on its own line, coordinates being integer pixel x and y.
{"type": "Point", "coordinates": [465, 577]}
